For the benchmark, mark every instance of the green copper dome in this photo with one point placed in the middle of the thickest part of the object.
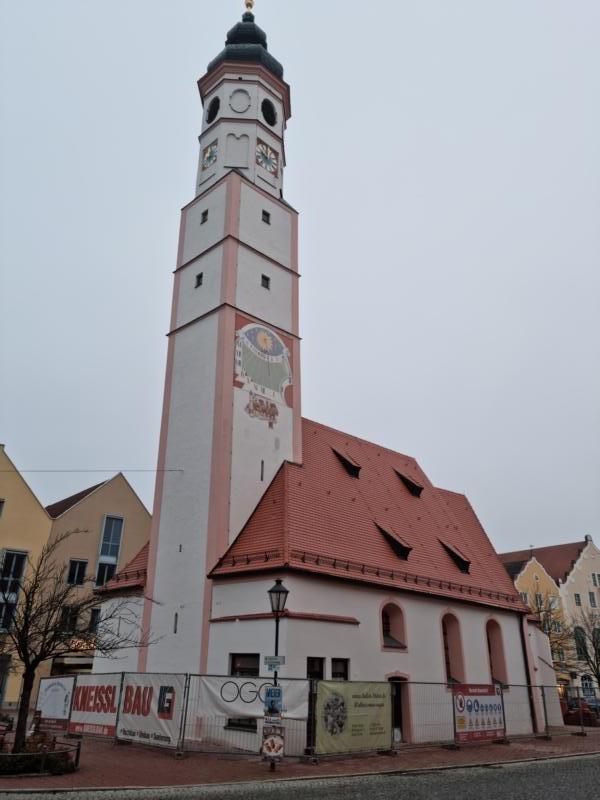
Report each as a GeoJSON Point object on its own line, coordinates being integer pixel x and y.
{"type": "Point", "coordinates": [247, 42]}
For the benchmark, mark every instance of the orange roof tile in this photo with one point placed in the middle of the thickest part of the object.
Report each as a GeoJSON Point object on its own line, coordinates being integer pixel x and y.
{"type": "Point", "coordinates": [557, 559]}
{"type": "Point", "coordinates": [317, 517]}
{"type": "Point", "coordinates": [132, 576]}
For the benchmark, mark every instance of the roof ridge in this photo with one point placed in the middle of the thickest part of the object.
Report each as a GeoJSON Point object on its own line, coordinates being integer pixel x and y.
{"type": "Point", "coordinates": [362, 439]}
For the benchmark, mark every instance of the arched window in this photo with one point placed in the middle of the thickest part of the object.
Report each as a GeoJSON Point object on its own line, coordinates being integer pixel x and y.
{"type": "Point", "coordinates": [495, 647]}
{"type": "Point", "coordinates": [581, 644]}
{"type": "Point", "coordinates": [392, 627]}
{"type": "Point", "coordinates": [453, 659]}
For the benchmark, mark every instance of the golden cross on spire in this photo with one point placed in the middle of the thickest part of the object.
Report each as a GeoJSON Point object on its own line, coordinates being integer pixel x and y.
{"type": "Point", "coordinates": [249, 5]}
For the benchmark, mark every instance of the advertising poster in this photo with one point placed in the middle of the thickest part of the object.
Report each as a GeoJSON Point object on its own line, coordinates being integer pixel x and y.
{"type": "Point", "coordinates": [478, 712]}
{"type": "Point", "coordinates": [273, 701]}
{"type": "Point", "coordinates": [151, 708]}
{"type": "Point", "coordinates": [273, 742]}
{"type": "Point", "coordinates": [247, 697]}
{"type": "Point", "coordinates": [54, 703]}
{"type": "Point", "coordinates": [353, 716]}
{"type": "Point", "coordinates": [95, 703]}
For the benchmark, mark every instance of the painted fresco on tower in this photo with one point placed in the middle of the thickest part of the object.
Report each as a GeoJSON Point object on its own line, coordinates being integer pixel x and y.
{"type": "Point", "coordinates": [263, 368]}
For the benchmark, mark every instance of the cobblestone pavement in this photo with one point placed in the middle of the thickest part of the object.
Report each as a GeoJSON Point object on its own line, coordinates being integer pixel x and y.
{"type": "Point", "coordinates": [104, 764]}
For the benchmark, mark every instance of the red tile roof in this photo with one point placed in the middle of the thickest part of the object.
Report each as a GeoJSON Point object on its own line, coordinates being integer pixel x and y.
{"type": "Point", "coordinates": [132, 576]}
{"type": "Point", "coordinates": [317, 517]}
{"type": "Point", "coordinates": [58, 508]}
{"type": "Point", "coordinates": [557, 560]}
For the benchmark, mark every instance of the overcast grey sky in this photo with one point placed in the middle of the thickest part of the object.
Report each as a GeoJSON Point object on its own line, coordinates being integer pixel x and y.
{"type": "Point", "coordinates": [445, 158]}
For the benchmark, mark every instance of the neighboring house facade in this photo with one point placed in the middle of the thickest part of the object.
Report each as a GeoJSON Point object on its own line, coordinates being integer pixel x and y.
{"type": "Point", "coordinates": [110, 525]}
{"type": "Point", "coordinates": [541, 593]}
{"type": "Point", "coordinates": [572, 571]}
{"type": "Point", "coordinates": [24, 529]}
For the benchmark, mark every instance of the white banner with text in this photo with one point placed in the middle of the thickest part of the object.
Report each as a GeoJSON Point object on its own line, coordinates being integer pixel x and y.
{"type": "Point", "coordinates": [151, 708]}
{"type": "Point", "coordinates": [95, 703]}
{"type": "Point", "coordinates": [245, 697]}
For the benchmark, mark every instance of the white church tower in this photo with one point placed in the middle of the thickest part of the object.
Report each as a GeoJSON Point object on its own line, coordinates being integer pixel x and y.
{"type": "Point", "coordinates": [231, 410]}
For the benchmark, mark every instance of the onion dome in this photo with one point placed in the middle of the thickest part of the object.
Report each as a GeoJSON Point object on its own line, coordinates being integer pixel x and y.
{"type": "Point", "coordinates": [248, 43]}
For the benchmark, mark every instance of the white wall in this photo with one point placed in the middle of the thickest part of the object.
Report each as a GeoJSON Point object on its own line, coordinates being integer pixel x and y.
{"type": "Point", "coordinates": [422, 662]}
{"type": "Point", "coordinates": [198, 236]}
{"type": "Point", "coordinates": [128, 626]}
{"type": "Point", "coordinates": [195, 301]}
{"type": "Point", "coordinates": [273, 240]}
{"type": "Point", "coordinates": [181, 554]}
{"type": "Point", "coordinates": [274, 304]}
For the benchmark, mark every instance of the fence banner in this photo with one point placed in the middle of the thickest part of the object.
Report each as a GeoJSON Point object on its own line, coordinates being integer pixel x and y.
{"type": "Point", "coordinates": [478, 712]}
{"type": "Point", "coordinates": [245, 697]}
{"type": "Point", "coordinates": [54, 703]}
{"type": "Point", "coordinates": [95, 702]}
{"type": "Point", "coordinates": [151, 708]}
{"type": "Point", "coordinates": [353, 716]}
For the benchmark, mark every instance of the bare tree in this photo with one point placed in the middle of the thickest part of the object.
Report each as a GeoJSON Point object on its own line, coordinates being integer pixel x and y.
{"type": "Point", "coordinates": [586, 637]}
{"type": "Point", "coordinates": [559, 631]}
{"type": "Point", "coordinates": [45, 617]}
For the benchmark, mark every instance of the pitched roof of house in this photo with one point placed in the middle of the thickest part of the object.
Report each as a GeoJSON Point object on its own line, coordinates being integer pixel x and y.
{"type": "Point", "coordinates": [558, 559]}
{"type": "Point", "coordinates": [132, 576]}
{"type": "Point", "coordinates": [58, 508]}
{"type": "Point", "coordinates": [358, 511]}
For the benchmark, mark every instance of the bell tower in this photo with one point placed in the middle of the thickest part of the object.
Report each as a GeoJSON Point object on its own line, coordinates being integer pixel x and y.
{"type": "Point", "coordinates": [231, 409]}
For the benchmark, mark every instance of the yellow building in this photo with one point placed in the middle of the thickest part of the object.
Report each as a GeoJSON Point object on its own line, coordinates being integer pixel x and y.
{"type": "Point", "coordinates": [110, 525]}
{"type": "Point", "coordinates": [113, 526]}
{"type": "Point", "coordinates": [541, 592]}
{"type": "Point", "coordinates": [24, 529]}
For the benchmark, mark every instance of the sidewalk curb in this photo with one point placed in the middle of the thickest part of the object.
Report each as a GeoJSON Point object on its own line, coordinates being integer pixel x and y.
{"type": "Point", "coordinates": [332, 776]}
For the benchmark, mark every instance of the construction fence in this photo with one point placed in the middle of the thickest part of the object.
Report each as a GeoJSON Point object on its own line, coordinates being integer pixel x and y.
{"type": "Point", "coordinates": [226, 714]}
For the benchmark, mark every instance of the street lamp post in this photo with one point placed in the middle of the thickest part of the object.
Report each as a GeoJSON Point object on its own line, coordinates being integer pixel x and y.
{"type": "Point", "coordinates": [277, 597]}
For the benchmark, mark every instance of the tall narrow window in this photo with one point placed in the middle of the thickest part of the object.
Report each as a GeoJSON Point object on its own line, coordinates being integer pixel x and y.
{"type": "Point", "coordinates": [593, 600]}
{"type": "Point", "coordinates": [199, 279]}
{"type": "Point", "coordinates": [577, 599]}
{"type": "Point", "coordinates": [111, 539]}
{"type": "Point", "coordinates": [68, 619]}
{"type": "Point", "coordinates": [13, 568]}
{"type": "Point", "coordinates": [175, 622]}
{"type": "Point", "coordinates": [1, 507]}
{"type": "Point", "coordinates": [453, 660]}
{"type": "Point", "coordinates": [266, 217]}
{"type": "Point", "coordinates": [265, 281]}
{"type": "Point", "coordinates": [495, 647]}
{"type": "Point", "coordinates": [204, 217]}
{"type": "Point", "coordinates": [262, 470]}
{"type": "Point", "coordinates": [94, 620]}
{"type": "Point", "coordinates": [392, 627]}
{"type": "Point", "coordinates": [580, 644]}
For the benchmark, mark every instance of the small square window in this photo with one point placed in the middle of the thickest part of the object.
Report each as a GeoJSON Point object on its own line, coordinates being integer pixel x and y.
{"type": "Point", "coordinates": [204, 216]}
{"type": "Point", "coordinates": [340, 669]}
{"type": "Point", "coordinates": [265, 281]}
{"type": "Point", "coordinates": [199, 279]}
{"type": "Point", "coordinates": [266, 217]}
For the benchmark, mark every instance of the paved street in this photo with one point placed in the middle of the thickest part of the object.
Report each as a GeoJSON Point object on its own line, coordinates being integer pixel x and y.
{"type": "Point", "coordinates": [577, 778]}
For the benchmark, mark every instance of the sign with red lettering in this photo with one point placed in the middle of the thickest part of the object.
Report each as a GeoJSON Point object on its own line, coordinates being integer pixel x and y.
{"type": "Point", "coordinates": [151, 708]}
{"type": "Point", "coordinates": [95, 704]}
{"type": "Point", "coordinates": [478, 712]}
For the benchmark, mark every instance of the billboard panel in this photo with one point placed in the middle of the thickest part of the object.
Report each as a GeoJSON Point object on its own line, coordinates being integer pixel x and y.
{"type": "Point", "coordinates": [478, 712]}
{"type": "Point", "coordinates": [151, 708]}
{"type": "Point", "coordinates": [54, 703]}
{"type": "Point", "coordinates": [95, 702]}
{"type": "Point", "coordinates": [351, 717]}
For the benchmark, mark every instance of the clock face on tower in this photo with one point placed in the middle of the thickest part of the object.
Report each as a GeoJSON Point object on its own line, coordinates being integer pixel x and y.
{"type": "Point", "coordinates": [209, 155]}
{"type": "Point", "coordinates": [267, 158]}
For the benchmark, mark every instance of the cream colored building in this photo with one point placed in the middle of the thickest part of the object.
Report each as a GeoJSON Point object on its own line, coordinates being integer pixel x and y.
{"type": "Point", "coordinates": [24, 529]}
{"type": "Point", "coordinates": [110, 525]}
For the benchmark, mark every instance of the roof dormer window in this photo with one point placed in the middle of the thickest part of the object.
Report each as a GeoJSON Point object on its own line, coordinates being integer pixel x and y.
{"type": "Point", "coordinates": [461, 561]}
{"type": "Point", "coordinates": [351, 467]}
{"type": "Point", "coordinates": [398, 545]}
{"type": "Point", "coordinates": [413, 487]}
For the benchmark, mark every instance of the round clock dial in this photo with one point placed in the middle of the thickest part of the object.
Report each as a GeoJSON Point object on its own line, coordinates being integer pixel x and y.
{"type": "Point", "coordinates": [267, 158]}
{"type": "Point", "coordinates": [209, 155]}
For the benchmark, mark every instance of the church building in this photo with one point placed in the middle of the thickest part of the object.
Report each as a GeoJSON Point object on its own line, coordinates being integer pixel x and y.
{"type": "Point", "coordinates": [389, 576]}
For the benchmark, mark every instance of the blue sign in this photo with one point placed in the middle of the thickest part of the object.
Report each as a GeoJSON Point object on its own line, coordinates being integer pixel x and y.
{"type": "Point", "coordinates": [273, 701]}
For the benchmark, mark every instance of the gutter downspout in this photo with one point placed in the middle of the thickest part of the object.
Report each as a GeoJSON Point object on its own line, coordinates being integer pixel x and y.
{"type": "Point", "coordinates": [528, 675]}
